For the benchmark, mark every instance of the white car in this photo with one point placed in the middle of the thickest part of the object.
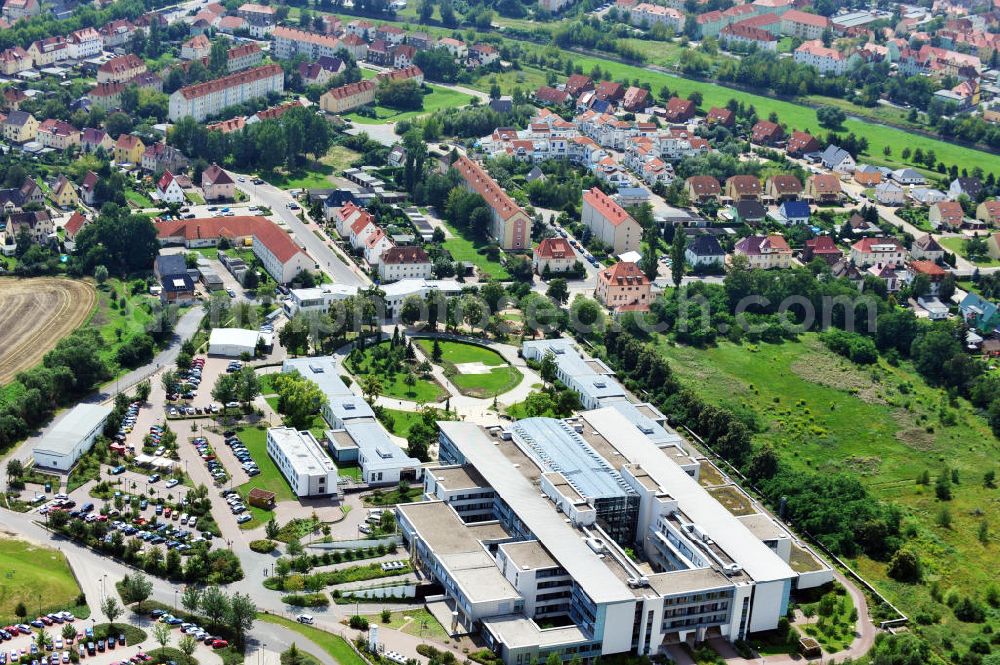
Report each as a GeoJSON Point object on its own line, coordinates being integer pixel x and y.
{"type": "Point", "coordinates": [244, 518]}
{"type": "Point", "coordinates": [173, 482]}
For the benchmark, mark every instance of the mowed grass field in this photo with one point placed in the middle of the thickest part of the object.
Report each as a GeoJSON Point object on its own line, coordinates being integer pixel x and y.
{"type": "Point", "coordinates": [35, 576]}
{"type": "Point", "coordinates": [35, 314]}
{"type": "Point", "coordinates": [500, 379]}
{"type": "Point", "coordinates": [439, 99]}
{"type": "Point", "coordinates": [884, 425]}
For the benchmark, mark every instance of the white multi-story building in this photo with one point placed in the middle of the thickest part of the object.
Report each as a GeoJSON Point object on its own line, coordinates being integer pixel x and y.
{"type": "Point", "coordinates": [320, 298]}
{"type": "Point", "coordinates": [212, 97]}
{"type": "Point", "coordinates": [308, 470]}
{"type": "Point", "coordinates": [84, 43]}
{"type": "Point", "coordinates": [826, 60]}
{"type": "Point", "coordinates": [279, 254]}
{"type": "Point", "coordinates": [290, 42]}
{"type": "Point", "coordinates": [168, 189]}
{"type": "Point", "coordinates": [532, 525]}
{"type": "Point", "coordinates": [590, 378]}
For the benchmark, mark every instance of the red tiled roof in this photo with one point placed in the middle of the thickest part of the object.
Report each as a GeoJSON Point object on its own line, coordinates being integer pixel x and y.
{"type": "Point", "coordinates": [825, 183]}
{"type": "Point", "coordinates": [624, 272]}
{"type": "Point", "coordinates": [239, 78]}
{"type": "Point", "coordinates": [951, 212]}
{"type": "Point", "coordinates": [74, 224]}
{"type": "Point", "coordinates": [404, 255]}
{"type": "Point", "coordinates": [351, 89]}
{"type": "Point", "coordinates": [122, 63]}
{"type": "Point", "coordinates": [402, 74]}
{"type": "Point", "coordinates": [264, 230]}
{"type": "Point", "coordinates": [605, 206]}
{"type": "Point", "coordinates": [554, 248]}
{"type": "Point", "coordinates": [704, 184]}
{"type": "Point", "coordinates": [928, 268]}
{"type": "Point", "coordinates": [785, 184]}
{"type": "Point", "coordinates": [216, 175]}
{"type": "Point", "coordinates": [744, 183]}
{"type": "Point", "coordinates": [796, 16]}
{"type": "Point", "coordinates": [484, 185]}
{"type": "Point", "coordinates": [865, 245]}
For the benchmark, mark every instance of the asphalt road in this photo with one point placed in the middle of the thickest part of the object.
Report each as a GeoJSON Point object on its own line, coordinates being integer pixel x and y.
{"type": "Point", "coordinates": [277, 200]}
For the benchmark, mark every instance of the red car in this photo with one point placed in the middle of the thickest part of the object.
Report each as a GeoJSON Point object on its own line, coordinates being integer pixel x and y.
{"type": "Point", "coordinates": [47, 621]}
{"type": "Point", "coordinates": [220, 644]}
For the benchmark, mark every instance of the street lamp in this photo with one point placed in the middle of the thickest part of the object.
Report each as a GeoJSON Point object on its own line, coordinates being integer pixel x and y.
{"type": "Point", "coordinates": [175, 600]}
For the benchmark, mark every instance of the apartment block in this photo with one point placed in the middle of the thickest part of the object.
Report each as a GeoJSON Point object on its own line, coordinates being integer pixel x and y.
{"type": "Point", "coordinates": [609, 222]}
{"type": "Point", "coordinates": [511, 227]}
{"type": "Point", "coordinates": [212, 97]}
{"type": "Point", "coordinates": [290, 42]}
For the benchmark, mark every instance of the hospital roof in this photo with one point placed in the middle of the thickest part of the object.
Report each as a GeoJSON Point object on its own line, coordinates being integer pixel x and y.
{"type": "Point", "coordinates": [515, 630]}
{"type": "Point", "coordinates": [458, 477]}
{"type": "Point", "coordinates": [377, 449]}
{"type": "Point", "coordinates": [654, 431]}
{"type": "Point", "coordinates": [344, 404]}
{"type": "Point", "coordinates": [537, 514]}
{"type": "Point", "coordinates": [728, 533]}
{"type": "Point", "coordinates": [556, 447]}
{"type": "Point", "coordinates": [302, 450]}
{"type": "Point", "coordinates": [529, 555]}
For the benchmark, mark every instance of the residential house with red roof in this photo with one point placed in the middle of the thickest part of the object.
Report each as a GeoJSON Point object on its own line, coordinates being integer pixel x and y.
{"type": "Point", "coordinates": [609, 222]}
{"type": "Point", "coordinates": [946, 215]}
{"type": "Point", "coordinates": [399, 263]}
{"type": "Point", "coordinates": [743, 188]}
{"type": "Point", "coordinates": [679, 110]}
{"type": "Point", "coordinates": [927, 248]}
{"type": "Point", "coordinates": [782, 187]}
{"type": "Point", "coordinates": [217, 184]}
{"type": "Point", "coordinates": [821, 247]}
{"type": "Point", "coordinates": [15, 60]}
{"type": "Point", "coordinates": [71, 228]}
{"type": "Point", "coordinates": [872, 251]}
{"type": "Point", "coordinates": [767, 133]}
{"type": "Point", "coordinates": [88, 187]}
{"type": "Point", "coordinates": [765, 252]}
{"type": "Point", "coordinates": [802, 143]}
{"type": "Point", "coordinates": [702, 188]}
{"type": "Point", "coordinates": [129, 149]}
{"type": "Point", "coordinates": [825, 60]}
{"type": "Point", "coordinates": [624, 287]}
{"type": "Point", "coordinates": [577, 84]}
{"type": "Point", "coordinates": [168, 189]}
{"type": "Point", "coordinates": [196, 48]}
{"type": "Point", "coordinates": [84, 43]}
{"type": "Point", "coordinates": [548, 95]}
{"type": "Point", "coordinates": [57, 134]}
{"type": "Point", "coordinates": [553, 255]}
{"type": "Point", "coordinates": [934, 273]}
{"type": "Point", "coordinates": [609, 91]}
{"type": "Point", "coordinates": [636, 99]}
{"type": "Point", "coordinates": [121, 68]}
{"type": "Point", "coordinates": [720, 116]}
{"type": "Point", "coordinates": [989, 212]}
{"type": "Point", "coordinates": [823, 188]}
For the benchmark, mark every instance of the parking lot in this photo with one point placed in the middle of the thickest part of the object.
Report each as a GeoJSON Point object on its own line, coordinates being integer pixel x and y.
{"type": "Point", "coordinates": [20, 643]}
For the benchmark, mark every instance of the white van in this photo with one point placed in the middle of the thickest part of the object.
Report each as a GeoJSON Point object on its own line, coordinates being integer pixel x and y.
{"type": "Point", "coordinates": [305, 618]}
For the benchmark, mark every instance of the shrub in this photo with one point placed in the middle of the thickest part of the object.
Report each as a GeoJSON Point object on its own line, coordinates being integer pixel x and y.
{"type": "Point", "coordinates": [358, 622]}
{"type": "Point", "coordinates": [969, 611]}
{"type": "Point", "coordinates": [306, 600]}
{"type": "Point", "coordinates": [262, 546]}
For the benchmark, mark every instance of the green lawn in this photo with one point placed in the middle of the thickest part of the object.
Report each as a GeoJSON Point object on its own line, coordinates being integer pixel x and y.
{"type": "Point", "coordinates": [439, 99]}
{"type": "Point", "coordinates": [463, 249]}
{"type": "Point", "coordinates": [138, 199]}
{"type": "Point", "coordinates": [957, 246]}
{"type": "Point", "coordinates": [500, 379]}
{"type": "Point", "coordinates": [424, 390]}
{"type": "Point", "coordinates": [883, 424]}
{"type": "Point", "coordinates": [118, 323]}
{"type": "Point", "coordinates": [420, 623]}
{"type": "Point", "coordinates": [334, 645]}
{"type": "Point", "coordinates": [316, 176]}
{"type": "Point", "coordinates": [402, 421]}
{"type": "Point", "coordinates": [270, 478]}
{"type": "Point", "coordinates": [37, 576]}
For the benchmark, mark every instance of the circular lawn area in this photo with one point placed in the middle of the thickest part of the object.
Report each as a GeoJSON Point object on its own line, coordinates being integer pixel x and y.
{"type": "Point", "coordinates": [475, 370]}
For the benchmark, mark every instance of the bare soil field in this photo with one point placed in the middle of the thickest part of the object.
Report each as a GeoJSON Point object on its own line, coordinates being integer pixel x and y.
{"type": "Point", "coordinates": [34, 315]}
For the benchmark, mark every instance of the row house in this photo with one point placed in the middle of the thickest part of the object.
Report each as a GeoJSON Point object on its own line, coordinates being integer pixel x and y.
{"type": "Point", "coordinates": [36, 224]}
{"type": "Point", "coordinates": [84, 43]}
{"type": "Point", "coordinates": [15, 10]}
{"type": "Point", "coordinates": [988, 212]}
{"type": "Point", "coordinates": [57, 134]}
{"type": "Point", "coordinates": [376, 245]}
{"type": "Point", "coordinates": [411, 73]}
{"type": "Point", "coordinates": [780, 188]}
{"type": "Point", "coordinates": [349, 97]}
{"type": "Point", "coordinates": [823, 188]}
{"type": "Point", "coordinates": [206, 99]}
{"type": "Point", "coordinates": [946, 216]}
{"type": "Point", "coordinates": [121, 68]}
{"type": "Point", "coordinates": [511, 226]}
{"type": "Point", "coordinates": [743, 188]}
